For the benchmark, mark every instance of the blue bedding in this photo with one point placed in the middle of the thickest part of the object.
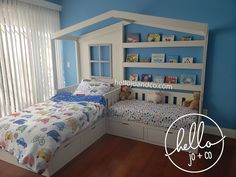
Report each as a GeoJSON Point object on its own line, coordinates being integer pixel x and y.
{"type": "Point", "coordinates": [69, 97]}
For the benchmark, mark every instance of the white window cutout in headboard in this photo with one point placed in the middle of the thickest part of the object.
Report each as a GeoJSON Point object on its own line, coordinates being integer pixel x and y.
{"type": "Point", "coordinates": [100, 60]}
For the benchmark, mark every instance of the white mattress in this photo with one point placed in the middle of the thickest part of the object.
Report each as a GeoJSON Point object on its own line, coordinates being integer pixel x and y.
{"type": "Point", "coordinates": [158, 115]}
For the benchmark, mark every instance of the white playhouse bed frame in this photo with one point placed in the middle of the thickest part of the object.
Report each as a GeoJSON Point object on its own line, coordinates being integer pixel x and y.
{"type": "Point", "coordinates": [122, 128]}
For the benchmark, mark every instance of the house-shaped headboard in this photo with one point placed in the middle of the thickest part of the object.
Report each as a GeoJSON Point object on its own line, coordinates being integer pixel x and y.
{"type": "Point", "coordinates": [127, 18]}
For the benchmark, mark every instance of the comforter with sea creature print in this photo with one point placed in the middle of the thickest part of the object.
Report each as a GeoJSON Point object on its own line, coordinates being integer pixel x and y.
{"type": "Point", "coordinates": [34, 134]}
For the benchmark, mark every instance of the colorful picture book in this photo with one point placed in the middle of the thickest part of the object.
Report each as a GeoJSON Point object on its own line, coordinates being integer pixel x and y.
{"type": "Point", "coordinates": [168, 38]}
{"type": "Point", "coordinates": [159, 79]}
{"type": "Point", "coordinates": [133, 77]}
{"type": "Point", "coordinates": [133, 37]}
{"type": "Point", "coordinates": [132, 57]}
{"type": "Point", "coordinates": [172, 58]}
{"type": "Point", "coordinates": [153, 37]}
{"type": "Point", "coordinates": [171, 79]}
{"type": "Point", "coordinates": [187, 60]}
{"type": "Point", "coordinates": [188, 79]}
{"type": "Point", "coordinates": [158, 57]}
{"type": "Point", "coordinates": [146, 78]}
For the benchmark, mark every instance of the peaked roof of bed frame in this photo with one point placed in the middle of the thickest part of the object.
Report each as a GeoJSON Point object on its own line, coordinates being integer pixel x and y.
{"type": "Point", "coordinates": [147, 20]}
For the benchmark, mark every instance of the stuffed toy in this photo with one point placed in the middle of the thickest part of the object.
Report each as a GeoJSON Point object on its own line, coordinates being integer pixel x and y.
{"type": "Point", "coordinates": [125, 92]}
{"type": "Point", "coordinates": [154, 97]}
{"type": "Point", "coordinates": [193, 104]}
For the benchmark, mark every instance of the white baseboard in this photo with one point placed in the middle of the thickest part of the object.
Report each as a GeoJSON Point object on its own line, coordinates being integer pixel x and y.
{"type": "Point", "coordinates": [230, 133]}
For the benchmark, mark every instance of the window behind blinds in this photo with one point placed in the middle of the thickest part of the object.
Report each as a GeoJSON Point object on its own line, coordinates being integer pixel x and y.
{"type": "Point", "coordinates": [26, 75]}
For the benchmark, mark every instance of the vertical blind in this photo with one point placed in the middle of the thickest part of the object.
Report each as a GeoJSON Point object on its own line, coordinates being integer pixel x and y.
{"type": "Point", "coordinates": [26, 75]}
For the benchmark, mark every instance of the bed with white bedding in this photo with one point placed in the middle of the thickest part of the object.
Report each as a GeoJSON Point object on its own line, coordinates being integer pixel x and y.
{"type": "Point", "coordinates": [149, 122]}
{"type": "Point", "coordinates": [157, 115]}
{"type": "Point", "coordinates": [34, 134]}
{"type": "Point", "coordinates": [46, 136]}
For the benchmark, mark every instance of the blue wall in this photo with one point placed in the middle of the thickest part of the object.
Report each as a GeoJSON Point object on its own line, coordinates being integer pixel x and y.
{"type": "Point", "coordinates": [69, 56]}
{"type": "Point", "coordinates": [55, 1]}
{"type": "Point", "coordinates": [220, 90]}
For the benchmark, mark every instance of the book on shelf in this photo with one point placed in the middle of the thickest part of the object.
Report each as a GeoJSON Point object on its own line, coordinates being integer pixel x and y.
{"type": "Point", "coordinates": [133, 77]}
{"type": "Point", "coordinates": [153, 37]}
{"type": "Point", "coordinates": [168, 38]}
{"type": "Point", "coordinates": [172, 58]}
{"type": "Point", "coordinates": [133, 37]}
{"type": "Point", "coordinates": [187, 60]}
{"type": "Point", "coordinates": [158, 58]}
{"type": "Point", "coordinates": [146, 77]}
{"type": "Point", "coordinates": [132, 57]}
{"type": "Point", "coordinates": [171, 79]}
{"type": "Point", "coordinates": [188, 79]}
{"type": "Point", "coordinates": [159, 79]}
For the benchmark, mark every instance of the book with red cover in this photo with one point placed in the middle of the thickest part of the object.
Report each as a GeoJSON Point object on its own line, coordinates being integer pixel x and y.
{"type": "Point", "coordinates": [171, 79]}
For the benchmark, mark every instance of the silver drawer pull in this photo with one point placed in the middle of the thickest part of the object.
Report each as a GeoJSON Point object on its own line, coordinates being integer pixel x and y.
{"type": "Point", "coordinates": [125, 123]}
{"type": "Point", "coordinates": [93, 127]}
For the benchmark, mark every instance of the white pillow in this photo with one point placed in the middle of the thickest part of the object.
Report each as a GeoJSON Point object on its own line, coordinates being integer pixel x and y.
{"type": "Point", "coordinates": [92, 87]}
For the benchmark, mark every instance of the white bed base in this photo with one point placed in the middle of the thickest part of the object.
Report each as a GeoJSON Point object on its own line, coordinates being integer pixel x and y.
{"type": "Point", "coordinates": [146, 133]}
{"type": "Point", "coordinates": [75, 145]}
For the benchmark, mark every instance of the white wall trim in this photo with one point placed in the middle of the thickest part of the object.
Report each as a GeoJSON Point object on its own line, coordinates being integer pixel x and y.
{"type": "Point", "coordinates": [230, 133]}
{"type": "Point", "coordinates": [43, 3]}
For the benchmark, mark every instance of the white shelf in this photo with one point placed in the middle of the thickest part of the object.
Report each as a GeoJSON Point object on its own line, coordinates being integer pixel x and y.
{"type": "Point", "coordinates": [193, 43]}
{"type": "Point", "coordinates": [163, 65]}
{"type": "Point", "coordinates": [185, 87]}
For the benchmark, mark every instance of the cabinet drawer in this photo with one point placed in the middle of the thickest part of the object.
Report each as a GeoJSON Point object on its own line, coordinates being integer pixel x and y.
{"type": "Point", "coordinates": [92, 133]}
{"type": "Point", "coordinates": [125, 129]}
